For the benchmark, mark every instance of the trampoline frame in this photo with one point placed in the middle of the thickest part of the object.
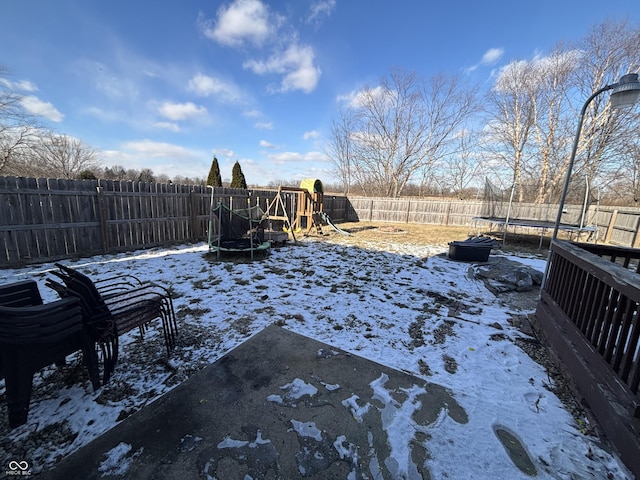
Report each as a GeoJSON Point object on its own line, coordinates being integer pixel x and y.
{"type": "Point", "coordinates": [541, 225]}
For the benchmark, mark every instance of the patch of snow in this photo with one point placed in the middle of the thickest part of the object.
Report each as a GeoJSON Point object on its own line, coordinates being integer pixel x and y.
{"type": "Point", "coordinates": [331, 387]}
{"type": "Point", "coordinates": [294, 391]}
{"type": "Point", "coordinates": [275, 399]}
{"type": "Point", "coordinates": [399, 426]}
{"type": "Point", "coordinates": [118, 460]}
{"type": "Point", "coordinates": [228, 442]}
{"type": "Point", "coordinates": [307, 429]}
{"type": "Point", "coordinates": [356, 410]}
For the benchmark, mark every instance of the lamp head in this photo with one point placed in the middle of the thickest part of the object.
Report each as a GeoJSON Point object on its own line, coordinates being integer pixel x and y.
{"type": "Point", "coordinates": [626, 92]}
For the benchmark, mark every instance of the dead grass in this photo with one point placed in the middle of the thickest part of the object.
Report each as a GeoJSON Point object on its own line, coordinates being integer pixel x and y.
{"type": "Point", "coordinates": [422, 234]}
{"type": "Point", "coordinates": [414, 233]}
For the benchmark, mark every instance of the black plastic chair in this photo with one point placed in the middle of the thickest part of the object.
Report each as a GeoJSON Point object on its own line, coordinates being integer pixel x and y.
{"type": "Point", "coordinates": [34, 335]}
{"type": "Point", "coordinates": [97, 320]}
{"type": "Point", "coordinates": [115, 306]}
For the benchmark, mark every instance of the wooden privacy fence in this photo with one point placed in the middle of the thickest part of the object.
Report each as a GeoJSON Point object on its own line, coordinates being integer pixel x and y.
{"type": "Point", "coordinates": [455, 212]}
{"type": "Point", "coordinates": [615, 225]}
{"type": "Point", "coordinates": [407, 210]}
{"type": "Point", "coordinates": [49, 219]}
{"type": "Point", "coordinates": [618, 225]}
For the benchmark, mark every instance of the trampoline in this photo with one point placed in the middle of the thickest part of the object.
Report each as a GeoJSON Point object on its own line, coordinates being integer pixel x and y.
{"type": "Point", "coordinates": [541, 225]}
{"type": "Point", "coordinates": [239, 230]}
{"type": "Point", "coordinates": [241, 245]}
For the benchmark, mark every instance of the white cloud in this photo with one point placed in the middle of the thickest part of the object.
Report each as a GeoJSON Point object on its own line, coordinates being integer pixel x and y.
{"type": "Point", "coordinates": [241, 21]}
{"type": "Point", "coordinates": [103, 115]}
{"type": "Point", "coordinates": [310, 134]}
{"type": "Point", "coordinates": [37, 107]}
{"type": "Point", "coordinates": [245, 22]}
{"type": "Point", "coordinates": [21, 85]}
{"type": "Point", "coordinates": [224, 152]}
{"type": "Point", "coordinates": [265, 144]}
{"type": "Point", "coordinates": [296, 157]}
{"type": "Point", "coordinates": [358, 98]}
{"type": "Point", "coordinates": [535, 70]}
{"type": "Point", "coordinates": [252, 114]}
{"type": "Point", "coordinates": [320, 9]}
{"type": "Point", "coordinates": [492, 56]}
{"type": "Point", "coordinates": [264, 125]}
{"type": "Point", "coordinates": [181, 111]}
{"type": "Point", "coordinates": [162, 158]}
{"type": "Point", "coordinates": [296, 63]}
{"type": "Point", "coordinates": [154, 149]}
{"type": "Point", "coordinates": [174, 127]}
{"type": "Point", "coordinates": [206, 86]}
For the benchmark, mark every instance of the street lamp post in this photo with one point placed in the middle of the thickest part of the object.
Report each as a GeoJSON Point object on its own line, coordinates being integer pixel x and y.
{"type": "Point", "coordinates": [625, 94]}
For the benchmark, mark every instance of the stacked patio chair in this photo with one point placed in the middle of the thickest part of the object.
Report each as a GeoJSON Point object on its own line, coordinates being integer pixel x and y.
{"type": "Point", "coordinates": [34, 335]}
{"type": "Point", "coordinates": [115, 306]}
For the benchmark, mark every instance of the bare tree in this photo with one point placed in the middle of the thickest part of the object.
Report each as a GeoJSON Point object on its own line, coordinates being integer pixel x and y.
{"type": "Point", "coordinates": [610, 50]}
{"type": "Point", "coordinates": [463, 166]}
{"type": "Point", "coordinates": [511, 117]}
{"type": "Point", "coordinates": [115, 172]}
{"type": "Point", "coordinates": [449, 105]}
{"type": "Point", "coordinates": [162, 178]}
{"type": "Point", "coordinates": [179, 179]}
{"type": "Point", "coordinates": [62, 156]}
{"type": "Point", "coordinates": [633, 159]}
{"type": "Point", "coordinates": [340, 149]}
{"type": "Point", "coordinates": [28, 149]}
{"type": "Point", "coordinates": [146, 175]}
{"type": "Point", "coordinates": [553, 123]}
{"type": "Point", "coordinates": [19, 130]}
{"type": "Point", "coordinates": [622, 185]}
{"type": "Point", "coordinates": [391, 133]}
{"type": "Point", "coordinates": [534, 109]}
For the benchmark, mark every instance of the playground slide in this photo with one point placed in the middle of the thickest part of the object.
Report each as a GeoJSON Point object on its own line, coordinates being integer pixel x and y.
{"type": "Point", "coordinates": [327, 219]}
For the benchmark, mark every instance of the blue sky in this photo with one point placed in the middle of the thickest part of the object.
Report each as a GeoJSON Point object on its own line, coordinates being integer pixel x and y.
{"type": "Point", "coordinates": [167, 84]}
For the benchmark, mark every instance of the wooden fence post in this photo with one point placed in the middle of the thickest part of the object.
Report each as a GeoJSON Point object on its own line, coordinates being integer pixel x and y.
{"type": "Point", "coordinates": [193, 215]}
{"type": "Point", "coordinates": [610, 227]}
{"type": "Point", "coordinates": [102, 218]}
{"type": "Point", "coordinates": [636, 235]}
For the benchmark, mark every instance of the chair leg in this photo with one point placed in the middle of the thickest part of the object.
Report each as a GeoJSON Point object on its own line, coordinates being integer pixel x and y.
{"type": "Point", "coordinates": [169, 322]}
{"type": "Point", "coordinates": [90, 357]}
{"type": "Point", "coordinates": [18, 378]}
{"type": "Point", "coordinates": [109, 349]}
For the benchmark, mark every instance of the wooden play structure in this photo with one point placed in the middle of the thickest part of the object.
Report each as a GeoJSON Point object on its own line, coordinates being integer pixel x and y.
{"type": "Point", "coordinates": [298, 208]}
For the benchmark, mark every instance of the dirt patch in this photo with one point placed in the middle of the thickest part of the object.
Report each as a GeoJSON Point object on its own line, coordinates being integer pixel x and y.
{"type": "Point", "coordinates": [442, 330]}
{"type": "Point", "coordinates": [427, 234]}
{"type": "Point", "coordinates": [419, 234]}
{"type": "Point", "coordinates": [558, 383]}
{"type": "Point", "coordinates": [391, 229]}
{"type": "Point", "coordinates": [521, 301]}
{"type": "Point", "coordinates": [450, 364]}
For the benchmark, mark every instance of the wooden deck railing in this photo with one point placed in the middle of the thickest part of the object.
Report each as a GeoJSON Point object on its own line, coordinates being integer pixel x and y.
{"type": "Point", "coordinates": [589, 314]}
{"type": "Point", "coordinates": [627, 257]}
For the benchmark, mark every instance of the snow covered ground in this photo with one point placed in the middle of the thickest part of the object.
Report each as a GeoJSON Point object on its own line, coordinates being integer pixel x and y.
{"type": "Point", "coordinates": [400, 304]}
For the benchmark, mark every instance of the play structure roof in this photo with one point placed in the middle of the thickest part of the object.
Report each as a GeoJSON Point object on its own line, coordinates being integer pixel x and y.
{"type": "Point", "coordinates": [313, 185]}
